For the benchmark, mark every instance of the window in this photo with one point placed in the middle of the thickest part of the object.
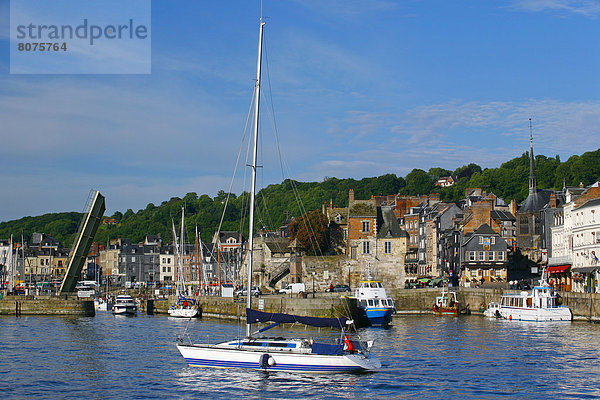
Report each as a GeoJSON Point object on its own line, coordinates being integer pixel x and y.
{"type": "Point", "coordinates": [500, 256]}
{"type": "Point", "coordinates": [493, 240]}
{"type": "Point", "coordinates": [471, 256]}
{"type": "Point", "coordinates": [133, 259]}
{"type": "Point", "coordinates": [366, 248]}
{"type": "Point", "coordinates": [338, 218]}
{"type": "Point", "coordinates": [481, 256]}
{"type": "Point", "coordinates": [491, 256]}
{"type": "Point", "coordinates": [365, 226]}
{"type": "Point", "coordinates": [388, 247]}
{"type": "Point", "coordinates": [480, 239]}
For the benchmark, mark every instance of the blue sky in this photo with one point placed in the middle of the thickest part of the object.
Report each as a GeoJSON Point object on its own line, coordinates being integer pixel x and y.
{"type": "Point", "coordinates": [359, 89]}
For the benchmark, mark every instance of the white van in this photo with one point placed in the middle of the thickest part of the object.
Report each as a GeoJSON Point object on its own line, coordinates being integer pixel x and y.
{"type": "Point", "coordinates": [293, 288]}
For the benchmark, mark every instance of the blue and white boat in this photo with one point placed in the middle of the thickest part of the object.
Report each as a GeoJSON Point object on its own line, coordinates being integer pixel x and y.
{"type": "Point", "coordinates": [374, 302]}
{"type": "Point", "coordinates": [278, 354]}
{"type": "Point", "coordinates": [282, 354]}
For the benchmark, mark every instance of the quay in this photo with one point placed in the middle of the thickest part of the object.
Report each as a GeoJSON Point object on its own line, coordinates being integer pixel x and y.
{"type": "Point", "coordinates": [46, 305]}
{"type": "Point", "coordinates": [585, 306]}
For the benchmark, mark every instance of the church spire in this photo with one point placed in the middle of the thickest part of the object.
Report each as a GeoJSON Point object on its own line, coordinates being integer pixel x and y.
{"type": "Point", "coordinates": [532, 179]}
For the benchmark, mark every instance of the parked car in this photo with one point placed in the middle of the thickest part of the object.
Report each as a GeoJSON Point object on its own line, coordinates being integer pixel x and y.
{"type": "Point", "coordinates": [255, 291]}
{"type": "Point", "coordinates": [339, 288]}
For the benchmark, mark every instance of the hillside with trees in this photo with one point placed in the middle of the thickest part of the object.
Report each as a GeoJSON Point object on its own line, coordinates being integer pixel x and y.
{"type": "Point", "coordinates": [279, 202]}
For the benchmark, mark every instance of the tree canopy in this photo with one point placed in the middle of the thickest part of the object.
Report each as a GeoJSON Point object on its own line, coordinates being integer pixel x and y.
{"type": "Point", "coordinates": [279, 202]}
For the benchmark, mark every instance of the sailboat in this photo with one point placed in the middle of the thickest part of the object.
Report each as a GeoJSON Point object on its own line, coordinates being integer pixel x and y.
{"type": "Point", "coordinates": [279, 354]}
{"type": "Point", "coordinates": [184, 306]}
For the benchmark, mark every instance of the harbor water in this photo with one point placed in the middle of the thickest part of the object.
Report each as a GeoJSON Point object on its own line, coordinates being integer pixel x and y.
{"type": "Point", "coordinates": [423, 357]}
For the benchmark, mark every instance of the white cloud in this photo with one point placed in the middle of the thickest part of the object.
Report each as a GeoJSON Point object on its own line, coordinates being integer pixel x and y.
{"type": "Point", "coordinates": [456, 133]}
{"type": "Point", "coordinates": [588, 8]}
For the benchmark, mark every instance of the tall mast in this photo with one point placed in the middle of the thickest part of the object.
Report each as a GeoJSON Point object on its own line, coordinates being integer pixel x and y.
{"type": "Point", "coordinates": [253, 184]}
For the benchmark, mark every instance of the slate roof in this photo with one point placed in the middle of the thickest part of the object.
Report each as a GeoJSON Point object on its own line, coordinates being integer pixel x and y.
{"type": "Point", "coordinates": [536, 202]}
{"type": "Point", "coordinates": [389, 226]}
{"type": "Point", "coordinates": [501, 215]}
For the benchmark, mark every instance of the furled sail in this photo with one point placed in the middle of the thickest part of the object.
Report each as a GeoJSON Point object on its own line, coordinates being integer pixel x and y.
{"type": "Point", "coordinates": [254, 316]}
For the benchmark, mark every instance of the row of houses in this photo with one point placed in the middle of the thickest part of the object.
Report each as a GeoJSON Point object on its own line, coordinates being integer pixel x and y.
{"type": "Point", "coordinates": [125, 263]}
{"type": "Point", "coordinates": [480, 239]}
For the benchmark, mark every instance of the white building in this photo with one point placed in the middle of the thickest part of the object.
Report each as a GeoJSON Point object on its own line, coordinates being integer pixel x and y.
{"type": "Point", "coordinates": [576, 240]}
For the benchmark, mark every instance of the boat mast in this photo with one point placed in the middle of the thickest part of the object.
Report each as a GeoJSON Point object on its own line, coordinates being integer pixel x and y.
{"type": "Point", "coordinates": [181, 280]}
{"type": "Point", "coordinates": [253, 184]}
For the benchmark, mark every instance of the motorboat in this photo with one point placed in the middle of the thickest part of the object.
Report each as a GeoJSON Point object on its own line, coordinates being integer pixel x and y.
{"type": "Point", "coordinates": [448, 303]}
{"type": "Point", "coordinates": [124, 305]}
{"type": "Point", "coordinates": [538, 304]}
{"type": "Point", "coordinates": [374, 302]}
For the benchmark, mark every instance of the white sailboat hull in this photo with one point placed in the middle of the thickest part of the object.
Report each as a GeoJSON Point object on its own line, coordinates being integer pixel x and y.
{"type": "Point", "coordinates": [212, 356]}
{"type": "Point", "coordinates": [183, 312]}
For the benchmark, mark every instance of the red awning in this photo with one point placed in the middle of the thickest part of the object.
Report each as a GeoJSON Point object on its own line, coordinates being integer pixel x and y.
{"type": "Point", "coordinates": [558, 269]}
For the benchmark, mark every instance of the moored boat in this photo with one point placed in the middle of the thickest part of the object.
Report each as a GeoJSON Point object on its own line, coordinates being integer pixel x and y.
{"type": "Point", "coordinates": [374, 302]}
{"type": "Point", "coordinates": [539, 304]}
{"type": "Point", "coordinates": [124, 305]}
{"type": "Point", "coordinates": [184, 308]}
{"type": "Point", "coordinates": [448, 303]}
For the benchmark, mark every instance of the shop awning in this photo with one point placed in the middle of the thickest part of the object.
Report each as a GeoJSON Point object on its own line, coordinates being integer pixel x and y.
{"type": "Point", "coordinates": [585, 270]}
{"type": "Point", "coordinates": [558, 269]}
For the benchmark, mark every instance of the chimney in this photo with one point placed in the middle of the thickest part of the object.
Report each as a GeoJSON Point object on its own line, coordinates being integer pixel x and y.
{"type": "Point", "coordinates": [553, 200]}
{"type": "Point", "coordinates": [513, 207]}
{"type": "Point", "coordinates": [351, 195]}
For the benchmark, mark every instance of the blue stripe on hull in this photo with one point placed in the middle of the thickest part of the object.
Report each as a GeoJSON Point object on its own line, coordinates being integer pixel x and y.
{"type": "Point", "coordinates": [197, 362]}
{"type": "Point", "coordinates": [380, 317]}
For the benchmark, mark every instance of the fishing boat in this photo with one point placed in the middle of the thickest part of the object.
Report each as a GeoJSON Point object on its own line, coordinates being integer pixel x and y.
{"type": "Point", "coordinates": [124, 305]}
{"type": "Point", "coordinates": [374, 302]}
{"type": "Point", "coordinates": [447, 303]}
{"type": "Point", "coordinates": [184, 306]}
{"type": "Point", "coordinates": [539, 304]}
{"type": "Point", "coordinates": [278, 354]}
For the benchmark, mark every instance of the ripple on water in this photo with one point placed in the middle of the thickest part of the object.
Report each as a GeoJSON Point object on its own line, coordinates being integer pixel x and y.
{"type": "Point", "coordinates": [107, 357]}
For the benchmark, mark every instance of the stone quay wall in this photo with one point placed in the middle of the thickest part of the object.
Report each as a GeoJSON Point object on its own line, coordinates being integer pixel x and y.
{"type": "Point", "coordinates": [328, 305]}
{"type": "Point", "coordinates": [46, 305]}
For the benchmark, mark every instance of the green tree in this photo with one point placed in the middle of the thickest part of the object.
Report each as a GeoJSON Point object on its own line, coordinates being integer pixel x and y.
{"type": "Point", "coordinates": [312, 232]}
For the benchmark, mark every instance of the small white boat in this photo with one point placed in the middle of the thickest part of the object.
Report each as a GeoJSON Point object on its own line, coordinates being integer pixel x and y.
{"type": "Point", "coordinates": [124, 305]}
{"type": "Point", "coordinates": [101, 304]}
{"type": "Point", "coordinates": [184, 308]}
{"type": "Point", "coordinates": [375, 303]}
{"type": "Point", "coordinates": [537, 305]}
